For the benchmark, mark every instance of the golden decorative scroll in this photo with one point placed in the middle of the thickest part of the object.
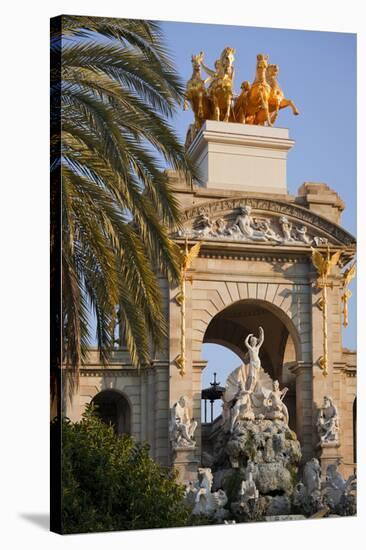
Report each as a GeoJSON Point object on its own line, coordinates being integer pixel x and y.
{"type": "Point", "coordinates": [324, 265]}
{"type": "Point", "coordinates": [186, 259]}
{"type": "Point", "coordinates": [348, 275]}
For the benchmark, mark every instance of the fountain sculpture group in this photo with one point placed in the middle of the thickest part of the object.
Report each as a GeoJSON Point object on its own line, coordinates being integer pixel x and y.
{"type": "Point", "coordinates": [256, 461]}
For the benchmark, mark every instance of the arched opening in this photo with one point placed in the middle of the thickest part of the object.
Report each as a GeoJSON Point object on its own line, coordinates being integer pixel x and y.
{"type": "Point", "coordinates": [114, 409]}
{"type": "Point", "coordinates": [280, 350]}
{"type": "Point", "coordinates": [221, 361]}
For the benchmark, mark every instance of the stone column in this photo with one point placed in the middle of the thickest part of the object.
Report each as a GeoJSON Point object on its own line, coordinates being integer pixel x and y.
{"type": "Point", "coordinates": [161, 397]}
{"type": "Point", "coordinates": [304, 402]}
{"type": "Point", "coordinates": [323, 385]}
{"type": "Point", "coordinates": [320, 384]}
{"type": "Point", "coordinates": [185, 459]}
{"type": "Point", "coordinates": [186, 462]}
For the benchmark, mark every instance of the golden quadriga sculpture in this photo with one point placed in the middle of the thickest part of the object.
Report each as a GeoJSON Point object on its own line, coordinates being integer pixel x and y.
{"type": "Point", "coordinates": [213, 98]}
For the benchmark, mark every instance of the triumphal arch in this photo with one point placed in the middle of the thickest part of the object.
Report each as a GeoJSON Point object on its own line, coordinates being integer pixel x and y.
{"type": "Point", "coordinates": [256, 260]}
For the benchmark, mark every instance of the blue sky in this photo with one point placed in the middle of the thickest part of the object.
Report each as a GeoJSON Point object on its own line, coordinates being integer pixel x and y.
{"type": "Point", "coordinates": [318, 72]}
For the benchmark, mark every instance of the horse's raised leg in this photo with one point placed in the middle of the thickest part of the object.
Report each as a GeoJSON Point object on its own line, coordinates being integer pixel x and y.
{"type": "Point", "coordinates": [200, 106]}
{"type": "Point", "coordinates": [227, 114]}
{"type": "Point", "coordinates": [265, 108]}
{"type": "Point", "coordinates": [216, 110]}
{"type": "Point", "coordinates": [288, 103]}
{"type": "Point", "coordinates": [268, 117]}
{"type": "Point", "coordinates": [274, 116]}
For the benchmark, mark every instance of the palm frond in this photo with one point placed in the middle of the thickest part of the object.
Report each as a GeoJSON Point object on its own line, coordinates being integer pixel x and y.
{"type": "Point", "coordinates": [119, 88]}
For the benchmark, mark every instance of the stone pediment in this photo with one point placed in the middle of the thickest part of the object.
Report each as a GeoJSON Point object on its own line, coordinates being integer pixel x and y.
{"type": "Point", "coordinates": [261, 220]}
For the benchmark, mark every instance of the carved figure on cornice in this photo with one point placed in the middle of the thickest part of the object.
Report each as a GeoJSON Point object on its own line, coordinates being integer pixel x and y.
{"type": "Point", "coordinates": [264, 226]}
{"type": "Point", "coordinates": [253, 346]}
{"type": "Point", "coordinates": [245, 224]}
{"type": "Point", "coordinates": [276, 409]}
{"type": "Point", "coordinates": [204, 224]}
{"type": "Point", "coordinates": [328, 422]}
{"type": "Point", "coordinates": [182, 427]}
{"type": "Point", "coordinates": [220, 226]}
{"type": "Point", "coordinates": [303, 234]}
{"type": "Point", "coordinates": [286, 227]}
{"type": "Point", "coordinates": [320, 241]}
{"type": "Point", "coordinates": [242, 409]}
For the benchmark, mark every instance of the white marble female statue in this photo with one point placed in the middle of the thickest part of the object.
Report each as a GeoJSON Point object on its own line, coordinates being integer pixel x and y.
{"type": "Point", "coordinates": [253, 345]}
{"type": "Point", "coordinates": [328, 422]}
{"type": "Point", "coordinates": [182, 427]}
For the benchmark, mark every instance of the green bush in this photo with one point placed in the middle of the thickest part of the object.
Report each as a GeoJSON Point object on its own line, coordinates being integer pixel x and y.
{"type": "Point", "coordinates": [110, 483]}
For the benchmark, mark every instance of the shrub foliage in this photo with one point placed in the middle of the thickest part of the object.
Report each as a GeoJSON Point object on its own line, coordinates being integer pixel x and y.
{"type": "Point", "coordinates": [110, 483]}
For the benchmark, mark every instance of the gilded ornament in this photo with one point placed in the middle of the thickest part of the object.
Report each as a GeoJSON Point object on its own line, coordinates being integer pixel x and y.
{"type": "Point", "coordinates": [186, 258]}
{"type": "Point", "coordinates": [324, 265]}
{"type": "Point", "coordinates": [214, 98]}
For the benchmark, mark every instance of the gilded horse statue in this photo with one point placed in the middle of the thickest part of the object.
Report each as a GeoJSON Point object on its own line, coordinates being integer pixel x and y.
{"type": "Point", "coordinates": [213, 98]}
{"type": "Point", "coordinates": [196, 93]}
{"type": "Point", "coordinates": [277, 99]}
{"type": "Point", "coordinates": [220, 90]}
{"type": "Point", "coordinates": [257, 108]}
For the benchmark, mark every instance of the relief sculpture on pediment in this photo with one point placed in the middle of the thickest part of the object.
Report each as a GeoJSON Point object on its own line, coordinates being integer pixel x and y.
{"type": "Point", "coordinates": [261, 220]}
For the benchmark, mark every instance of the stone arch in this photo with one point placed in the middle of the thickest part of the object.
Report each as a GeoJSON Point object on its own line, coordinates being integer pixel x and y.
{"type": "Point", "coordinates": [289, 303]}
{"type": "Point", "coordinates": [232, 347]}
{"type": "Point", "coordinates": [230, 326]}
{"type": "Point", "coordinates": [114, 408]}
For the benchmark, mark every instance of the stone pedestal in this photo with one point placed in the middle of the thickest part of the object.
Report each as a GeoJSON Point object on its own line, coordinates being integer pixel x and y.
{"type": "Point", "coordinates": [186, 462]}
{"type": "Point", "coordinates": [242, 157]}
{"type": "Point", "coordinates": [329, 454]}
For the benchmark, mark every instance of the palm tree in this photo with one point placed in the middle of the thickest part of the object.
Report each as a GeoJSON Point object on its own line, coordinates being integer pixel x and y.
{"type": "Point", "coordinates": [118, 88]}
